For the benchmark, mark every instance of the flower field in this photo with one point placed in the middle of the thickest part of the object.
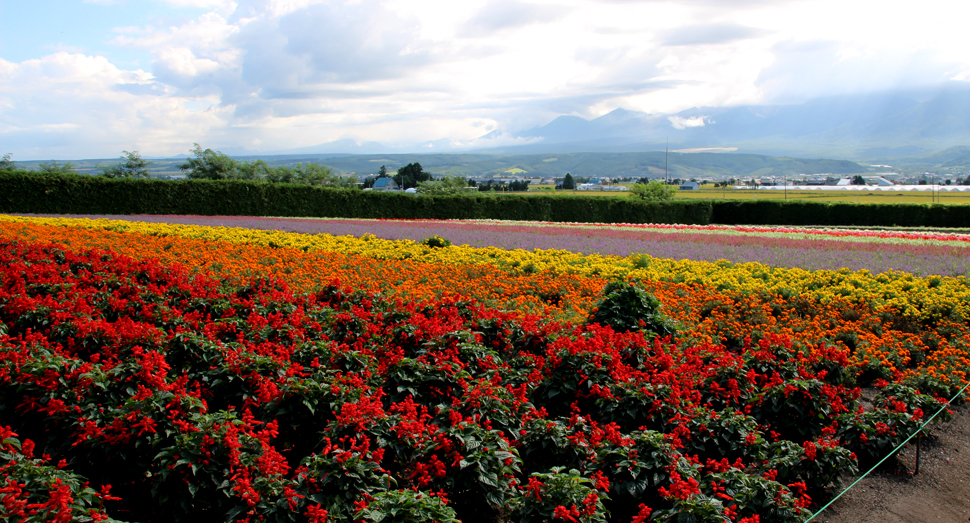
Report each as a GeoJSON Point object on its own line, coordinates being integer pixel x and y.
{"type": "Point", "coordinates": [811, 249]}
{"type": "Point", "coordinates": [176, 372]}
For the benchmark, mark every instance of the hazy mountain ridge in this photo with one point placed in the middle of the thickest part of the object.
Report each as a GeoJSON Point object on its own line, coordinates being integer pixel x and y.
{"type": "Point", "coordinates": [846, 126]}
{"type": "Point", "coordinates": [886, 124]}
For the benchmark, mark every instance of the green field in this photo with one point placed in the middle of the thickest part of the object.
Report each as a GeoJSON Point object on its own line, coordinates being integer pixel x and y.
{"type": "Point", "coordinates": [816, 196]}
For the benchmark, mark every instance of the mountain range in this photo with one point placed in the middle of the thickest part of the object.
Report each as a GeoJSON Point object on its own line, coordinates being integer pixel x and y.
{"type": "Point", "coordinates": [889, 124]}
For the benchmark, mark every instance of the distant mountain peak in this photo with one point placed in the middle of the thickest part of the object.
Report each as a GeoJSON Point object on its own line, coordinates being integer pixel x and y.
{"type": "Point", "coordinates": [839, 126]}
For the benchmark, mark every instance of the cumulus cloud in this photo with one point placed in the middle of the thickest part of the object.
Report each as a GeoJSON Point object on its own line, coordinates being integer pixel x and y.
{"type": "Point", "coordinates": [805, 70]}
{"type": "Point", "coordinates": [680, 123]}
{"type": "Point", "coordinates": [713, 34]}
{"type": "Point", "coordinates": [40, 112]}
{"type": "Point", "coordinates": [205, 4]}
{"type": "Point", "coordinates": [350, 42]}
{"type": "Point", "coordinates": [500, 15]}
{"type": "Point", "coordinates": [289, 73]}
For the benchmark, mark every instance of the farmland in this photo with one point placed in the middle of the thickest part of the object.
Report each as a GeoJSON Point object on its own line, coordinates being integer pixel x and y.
{"type": "Point", "coordinates": [343, 370]}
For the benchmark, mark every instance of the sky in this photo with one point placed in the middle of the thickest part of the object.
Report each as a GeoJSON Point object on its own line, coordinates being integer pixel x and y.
{"type": "Point", "coordinates": [92, 78]}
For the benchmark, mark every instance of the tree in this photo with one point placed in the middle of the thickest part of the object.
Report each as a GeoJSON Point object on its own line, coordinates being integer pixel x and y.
{"type": "Point", "coordinates": [653, 191]}
{"type": "Point", "coordinates": [382, 173]}
{"type": "Point", "coordinates": [309, 174]}
{"type": "Point", "coordinates": [53, 168]}
{"type": "Point", "coordinates": [568, 182]}
{"type": "Point", "coordinates": [410, 175]}
{"type": "Point", "coordinates": [858, 180]}
{"type": "Point", "coordinates": [255, 170]}
{"type": "Point", "coordinates": [319, 174]}
{"type": "Point", "coordinates": [447, 185]}
{"type": "Point", "coordinates": [519, 185]}
{"type": "Point", "coordinates": [132, 166]}
{"type": "Point", "coordinates": [209, 165]}
{"type": "Point", "coordinates": [6, 164]}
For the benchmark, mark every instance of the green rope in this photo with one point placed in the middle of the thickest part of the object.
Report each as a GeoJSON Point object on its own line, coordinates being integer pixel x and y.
{"type": "Point", "coordinates": [889, 455]}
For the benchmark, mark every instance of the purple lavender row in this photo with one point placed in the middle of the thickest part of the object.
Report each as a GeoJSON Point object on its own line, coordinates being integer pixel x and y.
{"type": "Point", "coordinates": [777, 252]}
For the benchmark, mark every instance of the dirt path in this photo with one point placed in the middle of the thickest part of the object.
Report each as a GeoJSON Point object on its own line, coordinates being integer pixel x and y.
{"type": "Point", "coordinates": [892, 494]}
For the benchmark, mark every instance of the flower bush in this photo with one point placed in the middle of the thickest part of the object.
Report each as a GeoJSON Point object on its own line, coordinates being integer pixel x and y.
{"type": "Point", "coordinates": [34, 490]}
{"type": "Point", "coordinates": [197, 397]}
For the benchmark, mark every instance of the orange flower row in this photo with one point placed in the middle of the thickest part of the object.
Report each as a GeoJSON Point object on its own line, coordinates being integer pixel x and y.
{"type": "Point", "coordinates": [546, 294]}
{"type": "Point", "coordinates": [878, 342]}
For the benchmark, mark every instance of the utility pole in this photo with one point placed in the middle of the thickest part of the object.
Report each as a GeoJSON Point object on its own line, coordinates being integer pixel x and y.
{"type": "Point", "coordinates": [666, 146]}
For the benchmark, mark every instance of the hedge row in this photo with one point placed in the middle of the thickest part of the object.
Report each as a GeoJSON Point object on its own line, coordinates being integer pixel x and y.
{"type": "Point", "coordinates": [26, 192]}
{"type": "Point", "coordinates": [794, 212]}
{"type": "Point", "coordinates": [77, 194]}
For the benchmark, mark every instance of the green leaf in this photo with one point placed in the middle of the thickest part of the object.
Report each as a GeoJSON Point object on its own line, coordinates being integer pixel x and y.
{"type": "Point", "coordinates": [489, 479]}
{"type": "Point", "coordinates": [231, 515]}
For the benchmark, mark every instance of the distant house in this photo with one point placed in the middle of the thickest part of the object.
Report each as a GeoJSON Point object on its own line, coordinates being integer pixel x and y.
{"type": "Point", "coordinates": [690, 186]}
{"type": "Point", "coordinates": [385, 184]}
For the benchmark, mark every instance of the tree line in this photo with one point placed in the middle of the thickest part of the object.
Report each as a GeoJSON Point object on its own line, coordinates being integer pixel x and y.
{"type": "Point", "coordinates": [215, 165]}
{"type": "Point", "coordinates": [207, 165]}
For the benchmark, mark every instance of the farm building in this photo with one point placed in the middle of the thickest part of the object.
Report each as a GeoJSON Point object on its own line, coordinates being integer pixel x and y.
{"type": "Point", "coordinates": [385, 184]}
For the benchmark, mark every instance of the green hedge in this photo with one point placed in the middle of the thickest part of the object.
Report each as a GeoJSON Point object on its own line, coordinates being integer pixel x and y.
{"type": "Point", "coordinates": [794, 212]}
{"type": "Point", "coordinates": [28, 192]}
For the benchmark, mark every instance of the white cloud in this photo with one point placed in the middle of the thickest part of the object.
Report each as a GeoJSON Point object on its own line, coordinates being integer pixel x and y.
{"type": "Point", "coordinates": [204, 4]}
{"type": "Point", "coordinates": [291, 73]}
{"type": "Point", "coordinates": [681, 123]}
{"type": "Point", "coordinates": [805, 70]}
{"type": "Point", "coordinates": [713, 34]}
{"type": "Point", "coordinates": [77, 106]}
{"type": "Point", "coordinates": [180, 61]}
{"type": "Point", "coordinates": [498, 16]}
